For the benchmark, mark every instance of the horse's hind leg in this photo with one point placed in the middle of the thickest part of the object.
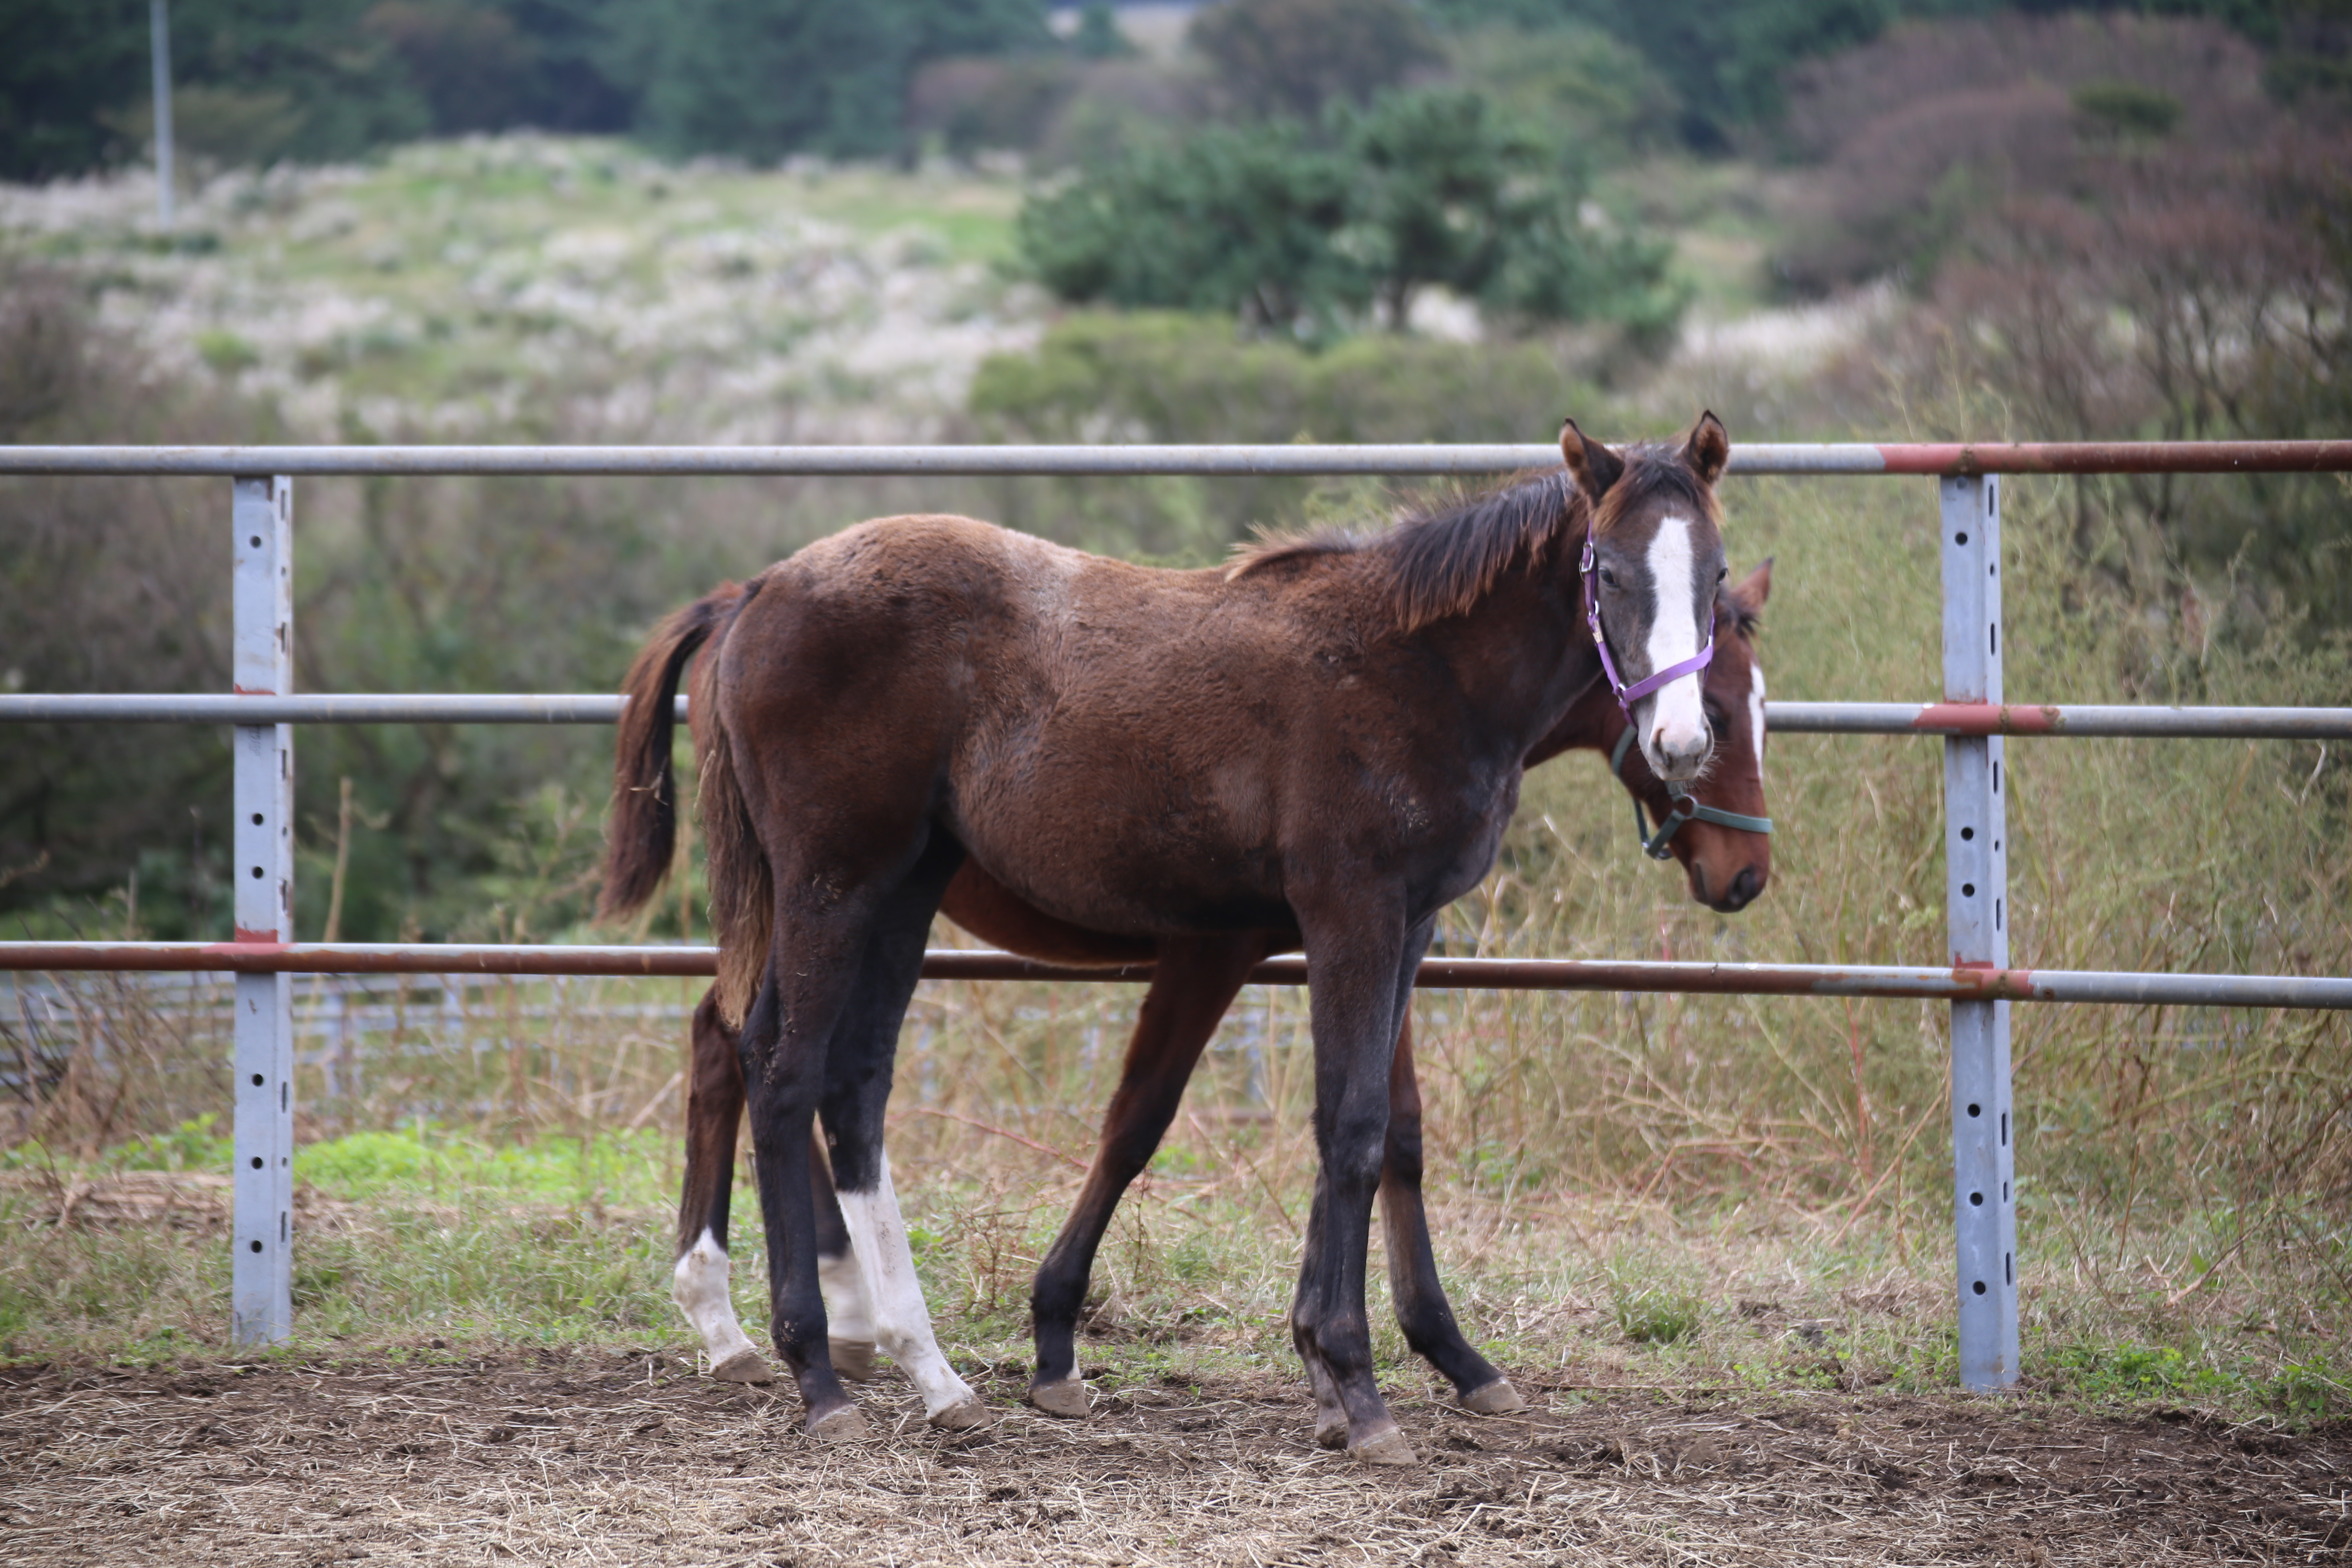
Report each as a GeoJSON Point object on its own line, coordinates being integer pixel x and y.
{"type": "Point", "coordinates": [857, 1094]}
{"type": "Point", "coordinates": [848, 1311]}
{"type": "Point", "coordinates": [1421, 1310]}
{"type": "Point", "coordinates": [698, 1283]}
{"type": "Point", "coordinates": [1196, 980]}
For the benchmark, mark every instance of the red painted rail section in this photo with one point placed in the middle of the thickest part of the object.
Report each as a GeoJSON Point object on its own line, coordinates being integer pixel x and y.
{"type": "Point", "coordinates": [1959, 982]}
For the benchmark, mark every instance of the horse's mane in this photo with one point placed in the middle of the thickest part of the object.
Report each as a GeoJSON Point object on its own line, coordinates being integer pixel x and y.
{"type": "Point", "coordinates": [1443, 557]}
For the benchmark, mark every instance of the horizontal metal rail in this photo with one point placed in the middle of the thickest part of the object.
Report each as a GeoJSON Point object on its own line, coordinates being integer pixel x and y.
{"type": "Point", "coordinates": [316, 707]}
{"type": "Point", "coordinates": [1260, 461]}
{"type": "Point", "coordinates": [1965, 982]}
{"type": "Point", "coordinates": [2082, 720]}
{"type": "Point", "coordinates": [588, 707]}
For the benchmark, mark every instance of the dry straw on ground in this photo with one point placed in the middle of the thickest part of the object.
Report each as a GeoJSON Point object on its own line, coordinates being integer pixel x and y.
{"type": "Point", "coordinates": [630, 1458]}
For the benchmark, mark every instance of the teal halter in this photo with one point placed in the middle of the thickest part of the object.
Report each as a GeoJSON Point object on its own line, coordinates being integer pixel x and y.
{"type": "Point", "coordinates": [1687, 809]}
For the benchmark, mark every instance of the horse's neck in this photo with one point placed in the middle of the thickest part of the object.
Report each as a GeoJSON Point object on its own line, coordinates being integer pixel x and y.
{"type": "Point", "coordinates": [1523, 656]}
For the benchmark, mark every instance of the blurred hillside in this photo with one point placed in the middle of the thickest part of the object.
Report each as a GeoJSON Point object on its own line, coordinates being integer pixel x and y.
{"type": "Point", "coordinates": [325, 80]}
{"type": "Point", "coordinates": [2065, 224]}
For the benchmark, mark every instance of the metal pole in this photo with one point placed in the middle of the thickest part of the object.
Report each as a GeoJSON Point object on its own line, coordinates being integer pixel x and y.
{"type": "Point", "coordinates": [1976, 862]}
{"type": "Point", "coordinates": [262, 661]}
{"type": "Point", "coordinates": [159, 39]}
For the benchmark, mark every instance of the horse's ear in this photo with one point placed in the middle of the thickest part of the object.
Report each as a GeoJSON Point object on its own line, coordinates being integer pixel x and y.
{"type": "Point", "coordinates": [1708, 449]}
{"type": "Point", "coordinates": [1750, 592]}
{"type": "Point", "coordinates": [1596, 467]}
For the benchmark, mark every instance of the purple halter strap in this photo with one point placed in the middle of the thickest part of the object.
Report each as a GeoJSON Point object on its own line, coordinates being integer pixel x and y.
{"type": "Point", "coordinates": [1629, 694]}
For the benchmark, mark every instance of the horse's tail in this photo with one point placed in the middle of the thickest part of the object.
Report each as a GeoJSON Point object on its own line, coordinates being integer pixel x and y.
{"type": "Point", "coordinates": [642, 836]}
{"type": "Point", "coordinates": [742, 885]}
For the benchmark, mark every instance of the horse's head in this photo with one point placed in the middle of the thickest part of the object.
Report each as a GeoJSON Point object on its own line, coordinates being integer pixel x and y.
{"type": "Point", "coordinates": [1728, 864]}
{"type": "Point", "coordinates": [1652, 565]}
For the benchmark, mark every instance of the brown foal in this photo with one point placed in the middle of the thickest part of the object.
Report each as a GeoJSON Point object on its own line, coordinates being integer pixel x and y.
{"type": "Point", "coordinates": [1193, 985]}
{"type": "Point", "coordinates": [1318, 747]}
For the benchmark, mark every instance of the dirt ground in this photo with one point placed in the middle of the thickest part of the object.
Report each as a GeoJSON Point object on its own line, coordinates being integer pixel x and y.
{"type": "Point", "coordinates": [597, 1457]}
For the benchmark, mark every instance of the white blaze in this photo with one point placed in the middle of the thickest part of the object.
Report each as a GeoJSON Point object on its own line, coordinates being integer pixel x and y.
{"type": "Point", "coordinates": [902, 1325]}
{"type": "Point", "coordinates": [1756, 711]}
{"type": "Point", "coordinates": [1676, 744]}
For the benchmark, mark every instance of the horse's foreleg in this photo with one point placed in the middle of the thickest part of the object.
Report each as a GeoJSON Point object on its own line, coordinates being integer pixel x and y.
{"type": "Point", "coordinates": [698, 1283]}
{"type": "Point", "coordinates": [1359, 972]}
{"type": "Point", "coordinates": [1421, 1310]}
{"type": "Point", "coordinates": [1196, 980]}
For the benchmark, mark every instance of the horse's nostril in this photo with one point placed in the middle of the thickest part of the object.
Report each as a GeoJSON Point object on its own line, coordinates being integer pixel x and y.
{"type": "Point", "coordinates": [1746, 885]}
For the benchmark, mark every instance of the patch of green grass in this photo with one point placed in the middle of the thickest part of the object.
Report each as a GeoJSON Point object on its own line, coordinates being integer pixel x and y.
{"type": "Point", "coordinates": [1649, 1315]}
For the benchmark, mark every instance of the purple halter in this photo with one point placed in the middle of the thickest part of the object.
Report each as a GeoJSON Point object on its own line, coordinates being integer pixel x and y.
{"type": "Point", "coordinates": [1629, 694]}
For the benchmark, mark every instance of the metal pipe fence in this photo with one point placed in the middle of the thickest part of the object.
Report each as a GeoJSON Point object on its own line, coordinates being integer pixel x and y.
{"type": "Point", "coordinates": [1974, 720]}
{"type": "Point", "coordinates": [592, 707]}
{"type": "Point", "coordinates": [1958, 983]}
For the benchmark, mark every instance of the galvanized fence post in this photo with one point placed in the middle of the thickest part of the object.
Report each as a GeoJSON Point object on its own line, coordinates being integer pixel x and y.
{"type": "Point", "coordinates": [262, 661]}
{"type": "Point", "coordinates": [1976, 861]}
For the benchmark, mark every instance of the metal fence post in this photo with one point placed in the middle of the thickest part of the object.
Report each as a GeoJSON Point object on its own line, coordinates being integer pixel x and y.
{"type": "Point", "coordinates": [1975, 860]}
{"type": "Point", "coordinates": [262, 661]}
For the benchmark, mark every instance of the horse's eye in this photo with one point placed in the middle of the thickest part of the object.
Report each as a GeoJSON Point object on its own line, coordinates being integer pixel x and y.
{"type": "Point", "coordinates": [1721, 572]}
{"type": "Point", "coordinates": [1608, 578]}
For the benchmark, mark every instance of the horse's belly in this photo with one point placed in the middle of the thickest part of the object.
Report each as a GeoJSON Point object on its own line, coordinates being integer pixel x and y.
{"type": "Point", "coordinates": [1124, 873]}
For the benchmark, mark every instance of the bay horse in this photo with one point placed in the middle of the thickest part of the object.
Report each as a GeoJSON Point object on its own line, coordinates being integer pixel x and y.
{"type": "Point", "coordinates": [1716, 831]}
{"type": "Point", "coordinates": [1325, 740]}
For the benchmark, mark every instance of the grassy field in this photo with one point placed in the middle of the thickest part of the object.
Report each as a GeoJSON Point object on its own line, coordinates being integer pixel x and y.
{"type": "Point", "coordinates": [1616, 1176]}
{"type": "Point", "coordinates": [1665, 1216]}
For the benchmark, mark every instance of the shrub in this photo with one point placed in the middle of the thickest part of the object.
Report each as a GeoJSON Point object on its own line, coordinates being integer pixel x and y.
{"type": "Point", "coordinates": [1307, 234]}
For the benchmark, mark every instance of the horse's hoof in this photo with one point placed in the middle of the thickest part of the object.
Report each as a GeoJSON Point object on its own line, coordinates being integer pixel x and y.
{"type": "Point", "coordinates": [1065, 1398]}
{"type": "Point", "coordinates": [1388, 1447]}
{"type": "Point", "coordinates": [1496, 1398]}
{"type": "Point", "coordinates": [853, 1359]}
{"type": "Point", "coordinates": [743, 1366]}
{"type": "Point", "coordinates": [966, 1414]}
{"type": "Point", "coordinates": [843, 1423]}
{"type": "Point", "coordinates": [1332, 1434]}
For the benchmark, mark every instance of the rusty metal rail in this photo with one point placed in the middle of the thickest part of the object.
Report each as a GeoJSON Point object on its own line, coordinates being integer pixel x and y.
{"type": "Point", "coordinates": [1928, 458]}
{"type": "Point", "coordinates": [2075, 719]}
{"type": "Point", "coordinates": [1965, 982]}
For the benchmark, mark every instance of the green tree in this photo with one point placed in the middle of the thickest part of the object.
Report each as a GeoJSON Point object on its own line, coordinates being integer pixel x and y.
{"type": "Point", "coordinates": [761, 79]}
{"type": "Point", "coordinates": [1309, 235]}
{"type": "Point", "coordinates": [1724, 61]}
{"type": "Point", "coordinates": [1452, 192]}
{"type": "Point", "coordinates": [64, 65]}
{"type": "Point", "coordinates": [1237, 221]}
{"type": "Point", "coordinates": [1097, 36]}
{"type": "Point", "coordinates": [1291, 56]}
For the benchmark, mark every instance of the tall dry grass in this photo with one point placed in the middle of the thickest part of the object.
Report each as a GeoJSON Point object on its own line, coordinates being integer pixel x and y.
{"type": "Point", "coordinates": [2186, 1159]}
